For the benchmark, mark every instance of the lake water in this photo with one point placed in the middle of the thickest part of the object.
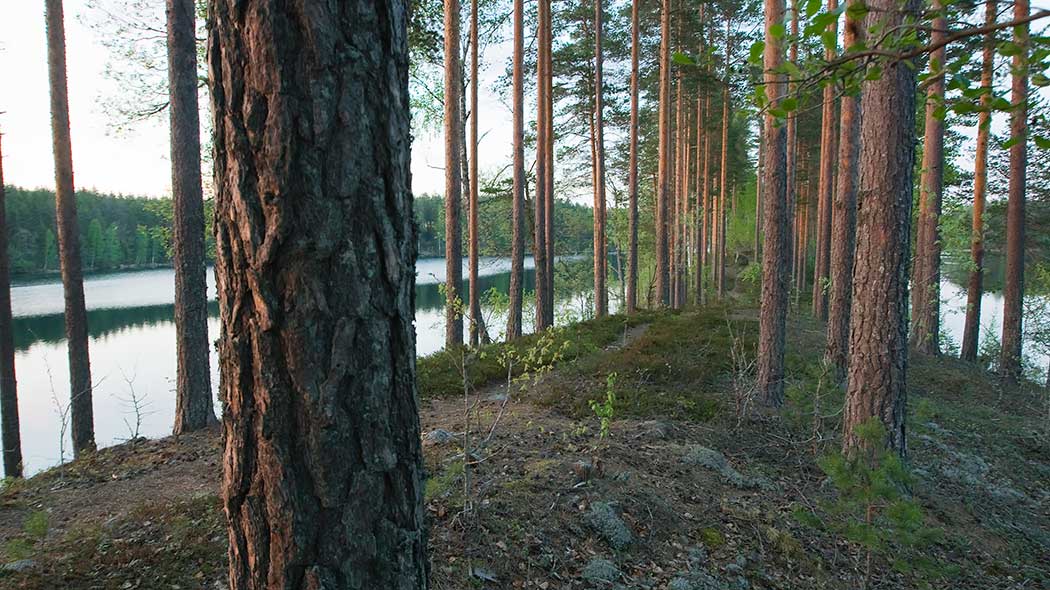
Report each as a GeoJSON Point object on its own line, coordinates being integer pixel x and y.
{"type": "Point", "coordinates": [133, 343]}
{"type": "Point", "coordinates": [132, 347]}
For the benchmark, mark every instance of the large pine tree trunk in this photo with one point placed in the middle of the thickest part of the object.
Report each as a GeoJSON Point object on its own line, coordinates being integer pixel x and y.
{"type": "Point", "coordinates": [316, 246]}
{"type": "Point", "coordinates": [878, 351]}
{"type": "Point", "coordinates": [193, 402]}
{"type": "Point", "coordinates": [825, 189]}
{"type": "Point", "coordinates": [926, 274]}
{"type": "Point", "coordinates": [975, 283]}
{"type": "Point", "coordinates": [517, 251]}
{"type": "Point", "coordinates": [11, 430]}
{"type": "Point", "coordinates": [632, 171]}
{"type": "Point", "coordinates": [1013, 292]}
{"type": "Point", "coordinates": [663, 193]}
{"type": "Point", "coordinates": [81, 418]}
{"type": "Point", "coordinates": [601, 294]}
{"type": "Point", "coordinates": [777, 247]}
{"type": "Point", "coordinates": [540, 201]}
{"type": "Point", "coordinates": [474, 304]}
{"type": "Point", "coordinates": [844, 220]}
{"type": "Point", "coordinates": [453, 177]}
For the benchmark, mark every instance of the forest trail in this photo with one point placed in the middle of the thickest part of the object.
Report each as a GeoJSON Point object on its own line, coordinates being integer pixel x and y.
{"type": "Point", "coordinates": [680, 494]}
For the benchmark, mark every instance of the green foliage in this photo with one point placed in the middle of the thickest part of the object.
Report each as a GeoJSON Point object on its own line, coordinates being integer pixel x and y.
{"type": "Point", "coordinates": [873, 508]}
{"type": "Point", "coordinates": [605, 410]}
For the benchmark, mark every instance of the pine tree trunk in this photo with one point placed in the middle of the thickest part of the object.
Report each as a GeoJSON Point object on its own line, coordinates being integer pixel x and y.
{"type": "Point", "coordinates": [683, 212]}
{"type": "Point", "coordinates": [517, 253]}
{"type": "Point", "coordinates": [540, 202]}
{"type": "Point", "coordinates": [632, 171]}
{"type": "Point", "coordinates": [1013, 292]}
{"type": "Point", "coordinates": [472, 214]}
{"type": "Point", "coordinates": [323, 470]}
{"type": "Point", "coordinates": [878, 349]}
{"type": "Point", "coordinates": [769, 362]}
{"type": "Point", "coordinates": [193, 400]}
{"type": "Point", "coordinates": [758, 196]}
{"type": "Point", "coordinates": [11, 430]}
{"type": "Point", "coordinates": [706, 237]}
{"type": "Point", "coordinates": [825, 190]}
{"type": "Point", "coordinates": [601, 293]}
{"type": "Point", "coordinates": [549, 208]}
{"type": "Point", "coordinates": [724, 170]}
{"type": "Point", "coordinates": [844, 221]}
{"type": "Point", "coordinates": [80, 415]}
{"type": "Point", "coordinates": [926, 274]}
{"type": "Point", "coordinates": [698, 208]}
{"type": "Point", "coordinates": [453, 178]}
{"type": "Point", "coordinates": [675, 238]}
{"type": "Point", "coordinates": [975, 284]}
{"type": "Point", "coordinates": [792, 157]}
{"type": "Point", "coordinates": [663, 158]}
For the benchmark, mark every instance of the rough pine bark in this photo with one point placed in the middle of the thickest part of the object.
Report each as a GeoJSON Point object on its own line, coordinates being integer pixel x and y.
{"type": "Point", "coordinates": [632, 171]}
{"type": "Point", "coordinates": [878, 351]}
{"type": "Point", "coordinates": [193, 402]}
{"type": "Point", "coordinates": [540, 201]}
{"type": "Point", "coordinates": [11, 430]}
{"type": "Point", "coordinates": [453, 177]}
{"type": "Point", "coordinates": [601, 293]}
{"type": "Point", "coordinates": [316, 246]}
{"type": "Point", "coordinates": [926, 273]}
{"type": "Point", "coordinates": [975, 282]}
{"type": "Point", "coordinates": [474, 296]}
{"type": "Point", "coordinates": [663, 193]}
{"type": "Point", "coordinates": [517, 251]}
{"type": "Point", "coordinates": [844, 220]}
{"type": "Point", "coordinates": [1013, 292]}
{"type": "Point", "coordinates": [777, 248]}
{"type": "Point", "coordinates": [825, 187]}
{"type": "Point", "coordinates": [81, 417]}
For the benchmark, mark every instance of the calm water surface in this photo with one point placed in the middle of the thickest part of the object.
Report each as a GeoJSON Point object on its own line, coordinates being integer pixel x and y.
{"type": "Point", "coordinates": [132, 348]}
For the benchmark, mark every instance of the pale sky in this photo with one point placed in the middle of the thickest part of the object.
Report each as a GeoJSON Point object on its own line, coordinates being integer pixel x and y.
{"type": "Point", "coordinates": [137, 162]}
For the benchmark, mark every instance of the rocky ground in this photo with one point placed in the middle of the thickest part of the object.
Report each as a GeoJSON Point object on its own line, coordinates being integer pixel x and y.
{"type": "Point", "coordinates": [689, 487]}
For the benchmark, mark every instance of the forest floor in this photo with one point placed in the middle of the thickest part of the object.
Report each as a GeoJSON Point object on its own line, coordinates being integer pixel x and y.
{"type": "Point", "coordinates": [691, 487]}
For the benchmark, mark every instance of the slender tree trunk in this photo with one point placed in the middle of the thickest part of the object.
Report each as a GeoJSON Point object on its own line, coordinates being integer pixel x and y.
{"type": "Point", "coordinates": [549, 208]}
{"type": "Point", "coordinates": [878, 350]}
{"type": "Point", "coordinates": [698, 208]}
{"type": "Point", "coordinates": [926, 274]}
{"type": "Point", "coordinates": [683, 212]}
{"type": "Point", "coordinates": [601, 293]}
{"type": "Point", "coordinates": [453, 178]}
{"type": "Point", "coordinates": [707, 237]}
{"type": "Point", "coordinates": [758, 196]}
{"type": "Point", "coordinates": [193, 402]}
{"type": "Point", "coordinates": [975, 284]}
{"type": "Point", "coordinates": [844, 220]}
{"type": "Point", "coordinates": [81, 419]}
{"type": "Point", "coordinates": [11, 435]}
{"type": "Point", "coordinates": [663, 158]}
{"type": "Point", "coordinates": [1013, 292]}
{"type": "Point", "coordinates": [472, 213]}
{"type": "Point", "coordinates": [539, 224]}
{"type": "Point", "coordinates": [675, 204]}
{"type": "Point", "coordinates": [323, 477]}
{"type": "Point", "coordinates": [517, 256]}
{"type": "Point", "coordinates": [723, 173]}
{"type": "Point", "coordinates": [792, 156]}
{"type": "Point", "coordinates": [825, 190]}
{"type": "Point", "coordinates": [632, 171]}
{"type": "Point", "coordinates": [776, 250]}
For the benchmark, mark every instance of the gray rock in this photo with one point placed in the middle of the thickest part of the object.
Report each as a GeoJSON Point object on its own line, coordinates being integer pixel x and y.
{"type": "Point", "coordinates": [605, 519]}
{"type": "Point", "coordinates": [698, 580]}
{"type": "Point", "coordinates": [439, 437]}
{"type": "Point", "coordinates": [717, 462]}
{"type": "Point", "coordinates": [18, 566]}
{"type": "Point", "coordinates": [600, 571]}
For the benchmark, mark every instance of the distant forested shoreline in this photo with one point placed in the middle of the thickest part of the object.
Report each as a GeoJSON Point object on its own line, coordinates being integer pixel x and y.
{"type": "Point", "coordinates": [119, 232]}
